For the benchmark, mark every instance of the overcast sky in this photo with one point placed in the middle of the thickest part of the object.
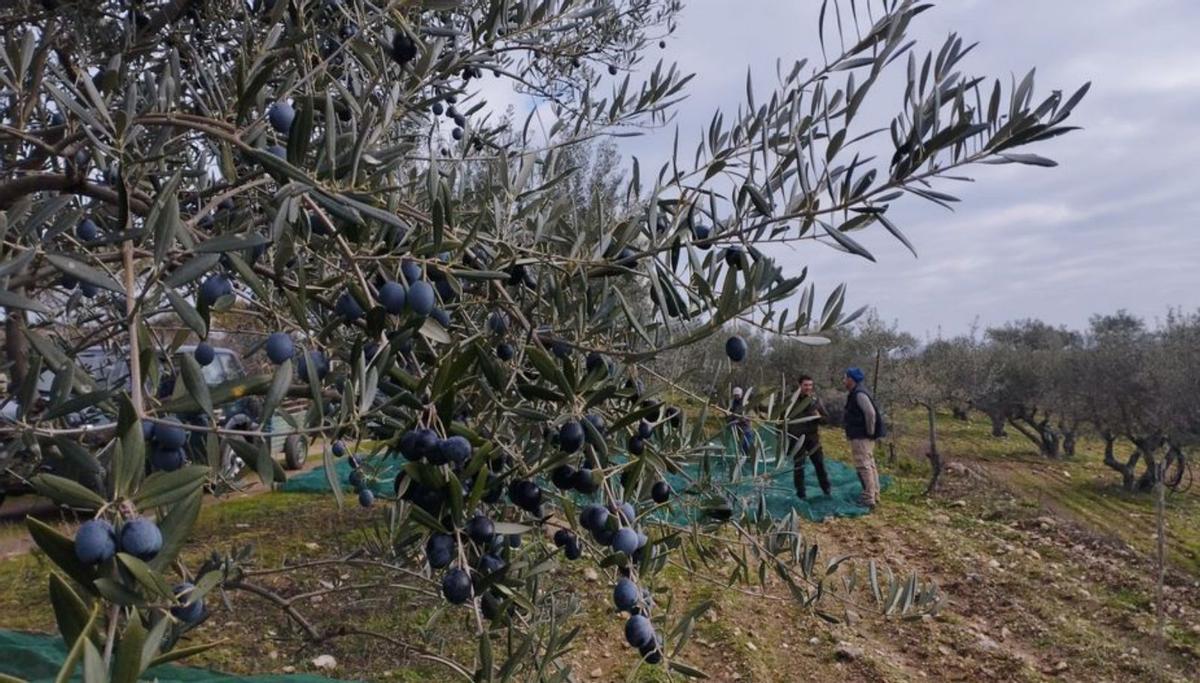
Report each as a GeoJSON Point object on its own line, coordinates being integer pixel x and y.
{"type": "Point", "coordinates": [1113, 226]}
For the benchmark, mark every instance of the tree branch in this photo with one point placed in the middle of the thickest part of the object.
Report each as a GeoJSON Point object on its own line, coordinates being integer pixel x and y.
{"type": "Point", "coordinates": [1026, 431]}
{"type": "Point", "coordinates": [15, 189]}
{"type": "Point", "coordinates": [309, 630]}
{"type": "Point", "coordinates": [408, 648]}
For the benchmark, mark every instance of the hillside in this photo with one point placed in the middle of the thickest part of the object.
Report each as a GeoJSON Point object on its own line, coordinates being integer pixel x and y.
{"type": "Point", "coordinates": [1043, 565]}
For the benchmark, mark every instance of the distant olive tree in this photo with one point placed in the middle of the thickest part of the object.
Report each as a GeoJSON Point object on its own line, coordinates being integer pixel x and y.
{"type": "Point", "coordinates": [1024, 382]}
{"type": "Point", "coordinates": [920, 377]}
{"type": "Point", "coordinates": [1135, 384]}
{"type": "Point", "coordinates": [1119, 379]}
{"type": "Point", "coordinates": [960, 370]}
{"type": "Point", "coordinates": [1179, 340]}
{"type": "Point", "coordinates": [442, 285]}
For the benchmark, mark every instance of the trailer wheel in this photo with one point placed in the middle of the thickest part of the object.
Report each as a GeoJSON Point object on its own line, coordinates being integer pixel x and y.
{"type": "Point", "coordinates": [231, 464]}
{"type": "Point", "coordinates": [295, 451]}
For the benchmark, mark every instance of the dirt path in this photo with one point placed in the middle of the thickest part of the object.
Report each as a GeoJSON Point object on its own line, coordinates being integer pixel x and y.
{"type": "Point", "coordinates": [1029, 594]}
{"type": "Point", "coordinates": [1093, 500]}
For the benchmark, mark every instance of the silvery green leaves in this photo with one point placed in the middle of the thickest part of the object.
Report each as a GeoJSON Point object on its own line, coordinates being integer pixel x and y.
{"type": "Point", "coordinates": [67, 492]}
{"type": "Point", "coordinates": [806, 145]}
{"type": "Point", "coordinates": [425, 261]}
{"type": "Point", "coordinates": [784, 551]}
{"type": "Point", "coordinates": [17, 301]}
{"type": "Point", "coordinates": [73, 268]}
{"type": "Point", "coordinates": [121, 578]}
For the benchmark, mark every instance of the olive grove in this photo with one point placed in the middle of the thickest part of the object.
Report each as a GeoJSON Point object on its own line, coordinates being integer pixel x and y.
{"type": "Point", "coordinates": [1119, 380]}
{"type": "Point", "coordinates": [418, 283]}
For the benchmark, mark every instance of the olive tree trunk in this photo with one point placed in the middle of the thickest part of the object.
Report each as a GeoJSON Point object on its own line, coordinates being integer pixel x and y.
{"type": "Point", "coordinates": [1068, 443]}
{"type": "Point", "coordinates": [1039, 430]}
{"type": "Point", "coordinates": [1128, 468]}
{"type": "Point", "coordinates": [935, 458]}
{"type": "Point", "coordinates": [998, 424]}
{"type": "Point", "coordinates": [1151, 473]}
{"type": "Point", "coordinates": [1145, 451]}
{"type": "Point", "coordinates": [1174, 466]}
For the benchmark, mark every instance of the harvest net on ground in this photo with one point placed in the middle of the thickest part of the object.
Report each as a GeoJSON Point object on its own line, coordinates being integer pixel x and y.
{"type": "Point", "coordinates": [37, 657]}
{"type": "Point", "coordinates": [722, 477]}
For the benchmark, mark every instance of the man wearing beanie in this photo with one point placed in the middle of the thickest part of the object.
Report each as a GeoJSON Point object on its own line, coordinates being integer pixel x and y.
{"type": "Point", "coordinates": [864, 424]}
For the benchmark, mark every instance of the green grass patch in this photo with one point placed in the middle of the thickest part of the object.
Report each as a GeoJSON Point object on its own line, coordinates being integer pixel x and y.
{"type": "Point", "coordinates": [24, 596]}
{"type": "Point", "coordinates": [1126, 598]}
{"type": "Point", "coordinates": [1081, 486]}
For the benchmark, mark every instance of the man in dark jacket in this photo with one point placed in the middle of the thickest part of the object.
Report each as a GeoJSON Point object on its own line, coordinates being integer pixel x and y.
{"type": "Point", "coordinates": [864, 424]}
{"type": "Point", "coordinates": [804, 430]}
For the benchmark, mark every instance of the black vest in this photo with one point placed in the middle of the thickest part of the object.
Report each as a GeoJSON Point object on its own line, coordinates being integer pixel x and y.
{"type": "Point", "coordinates": [855, 421]}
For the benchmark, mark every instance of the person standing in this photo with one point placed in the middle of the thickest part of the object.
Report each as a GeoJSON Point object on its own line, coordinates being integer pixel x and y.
{"type": "Point", "coordinates": [863, 424]}
{"type": "Point", "coordinates": [805, 430]}
{"type": "Point", "coordinates": [738, 422]}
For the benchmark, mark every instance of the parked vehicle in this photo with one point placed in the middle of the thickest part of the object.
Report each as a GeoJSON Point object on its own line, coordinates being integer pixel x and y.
{"type": "Point", "coordinates": [23, 457]}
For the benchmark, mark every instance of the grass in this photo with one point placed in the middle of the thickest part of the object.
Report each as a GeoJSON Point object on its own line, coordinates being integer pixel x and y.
{"type": "Point", "coordinates": [1130, 599]}
{"type": "Point", "coordinates": [1041, 606]}
{"type": "Point", "coordinates": [24, 600]}
{"type": "Point", "coordinates": [1082, 486]}
{"type": "Point", "coordinates": [9, 532]}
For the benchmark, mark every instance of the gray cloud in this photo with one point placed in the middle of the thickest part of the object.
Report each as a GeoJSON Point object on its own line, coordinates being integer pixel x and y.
{"type": "Point", "coordinates": [1111, 227]}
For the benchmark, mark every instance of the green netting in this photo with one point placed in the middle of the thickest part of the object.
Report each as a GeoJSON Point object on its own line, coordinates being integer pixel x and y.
{"type": "Point", "coordinates": [383, 473]}
{"type": "Point", "coordinates": [746, 483]}
{"type": "Point", "coordinates": [37, 657]}
{"type": "Point", "coordinates": [761, 479]}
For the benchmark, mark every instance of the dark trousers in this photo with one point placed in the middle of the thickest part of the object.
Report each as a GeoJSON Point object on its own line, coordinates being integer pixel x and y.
{"type": "Point", "coordinates": [817, 455]}
{"type": "Point", "coordinates": [744, 437]}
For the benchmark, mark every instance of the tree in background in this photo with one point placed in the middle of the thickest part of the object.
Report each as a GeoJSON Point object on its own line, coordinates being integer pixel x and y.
{"type": "Point", "coordinates": [1180, 344]}
{"type": "Point", "coordinates": [1026, 381]}
{"type": "Point", "coordinates": [1120, 380]}
{"type": "Point", "coordinates": [961, 372]}
{"type": "Point", "coordinates": [922, 382]}
{"type": "Point", "coordinates": [1137, 380]}
{"type": "Point", "coordinates": [443, 285]}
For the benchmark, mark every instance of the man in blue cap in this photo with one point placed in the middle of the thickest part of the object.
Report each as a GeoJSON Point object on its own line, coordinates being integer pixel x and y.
{"type": "Point", "coordinates": [864, 424]}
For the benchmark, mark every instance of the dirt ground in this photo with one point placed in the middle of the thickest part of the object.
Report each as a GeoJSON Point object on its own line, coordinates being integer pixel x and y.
{"type": "Point", "coordinates": [1037, 584]}
{"type": "Point", "coordinates": [1029, 596]}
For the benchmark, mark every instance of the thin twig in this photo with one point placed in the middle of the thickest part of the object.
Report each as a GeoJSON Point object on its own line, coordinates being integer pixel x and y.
{"type": "Point", "coordinates": [407, 647]}
{"type": "Point", "coordinates": [309, 630]}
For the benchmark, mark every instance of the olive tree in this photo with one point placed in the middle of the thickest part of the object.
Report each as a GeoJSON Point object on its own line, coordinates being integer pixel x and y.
{"type": "Point", "coordinates": [931, 380]}
{"type": "Point", "coordinates": [1135, 384]}
{"type": "Point", "coordinates": [424, 288]}
{"type": "Point", "coordinates": [964, 374]}
{"type": "Point", "coordinates": [1025, 380]}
